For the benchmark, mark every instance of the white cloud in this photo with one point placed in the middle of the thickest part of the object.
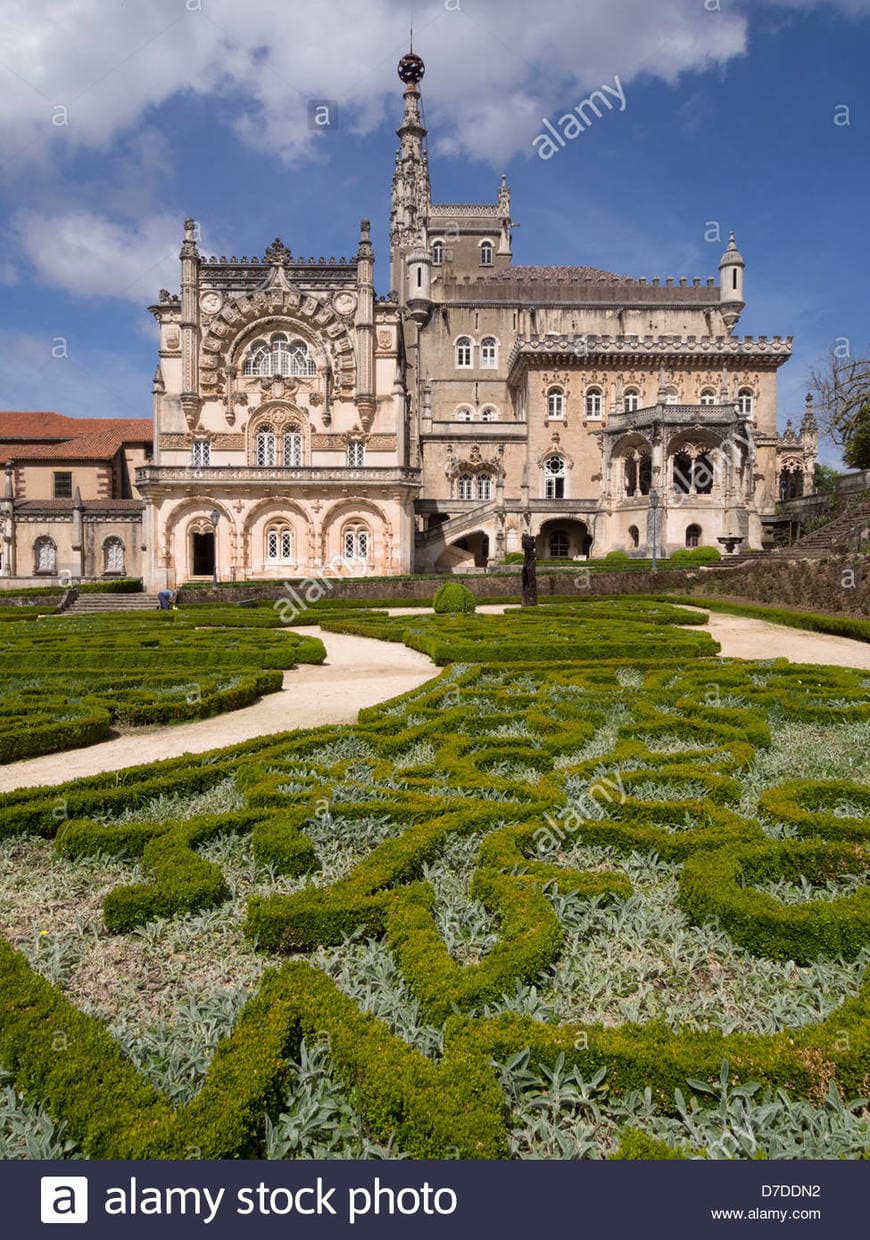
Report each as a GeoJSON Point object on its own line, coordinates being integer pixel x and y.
{"type": "Point", "coordinates": [86, 254]}
{"type": "Point", "coordinates": [495, 67]}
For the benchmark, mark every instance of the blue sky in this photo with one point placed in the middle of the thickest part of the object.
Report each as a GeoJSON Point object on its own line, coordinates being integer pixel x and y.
{"type": "Point", "coordinates": [117, 121]}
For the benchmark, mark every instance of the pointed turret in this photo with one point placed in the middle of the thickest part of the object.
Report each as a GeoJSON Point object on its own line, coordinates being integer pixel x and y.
{"type": "Point", "coordinates": [190, 400]}
{"type": "Point", "coordinates": [365, 325]}
{"type": "Point", "coordinates": [809, 433]}
{"type": "Point", "coordinates": [731, 267]}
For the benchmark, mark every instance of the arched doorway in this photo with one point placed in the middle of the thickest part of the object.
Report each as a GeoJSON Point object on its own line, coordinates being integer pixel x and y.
{"type": "Point", "coordinates": [561, 539]}
{"type": "Point", "coordinates": [202, 553]}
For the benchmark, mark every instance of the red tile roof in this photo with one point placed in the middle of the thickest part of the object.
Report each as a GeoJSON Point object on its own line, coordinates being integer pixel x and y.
{"type": "Point", "coordinates": [54, 436]}
{"type": "Point", "coordinates": [89, 505]}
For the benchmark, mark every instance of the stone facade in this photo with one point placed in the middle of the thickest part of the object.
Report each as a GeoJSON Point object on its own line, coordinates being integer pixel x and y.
{"type": "Point", "coordinates": [595, 411]}
{"type": "Point", "coordinates": [67, 508]}
{"type": "Point", "coordinates": [304, 427]}
{"type": "Point", "coordinates": [280, 422]}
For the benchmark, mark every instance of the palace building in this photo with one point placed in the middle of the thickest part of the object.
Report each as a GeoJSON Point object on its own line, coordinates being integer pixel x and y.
{"type": "Point", "coordinates": [304, 426]}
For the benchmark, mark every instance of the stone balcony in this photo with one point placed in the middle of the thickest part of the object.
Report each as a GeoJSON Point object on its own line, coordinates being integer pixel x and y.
{"type": "Point", "coordinates": [329, 476]}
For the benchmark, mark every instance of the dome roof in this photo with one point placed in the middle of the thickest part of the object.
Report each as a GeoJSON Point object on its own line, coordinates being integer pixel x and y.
{"type": "Point", "coordinates": [411, 68]}
{"type": "Point", "coordinates": [732, 256]}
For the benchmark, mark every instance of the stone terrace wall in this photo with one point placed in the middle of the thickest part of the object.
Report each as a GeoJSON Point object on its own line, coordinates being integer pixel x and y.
{"type": "Point", "coordinates": [838, 584]}
{"type": "Point", "coordinates": [572, 582]}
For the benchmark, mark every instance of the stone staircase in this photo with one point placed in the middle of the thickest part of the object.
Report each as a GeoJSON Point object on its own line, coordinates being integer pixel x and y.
{"type": "Point", "coordinates": [89, 604]}
{"type": "Point", "coordinates": [838, 535]}
{"type": "Point", "coordinates": [456, 526]}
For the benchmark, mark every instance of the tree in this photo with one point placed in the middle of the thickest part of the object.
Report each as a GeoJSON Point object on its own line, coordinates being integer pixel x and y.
{"type": "Point", "coordinates": [825, 479]}
{"type": "Point", "coordinates": [841, 386]}
{"type": "Point", "coordinates": [856, 449]}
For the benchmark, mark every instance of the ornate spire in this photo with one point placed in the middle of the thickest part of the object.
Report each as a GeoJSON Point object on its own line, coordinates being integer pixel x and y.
{"type": "Point", "coordinates": [411, 193]}
{"type": "Point", "coordinates": [809, 422]}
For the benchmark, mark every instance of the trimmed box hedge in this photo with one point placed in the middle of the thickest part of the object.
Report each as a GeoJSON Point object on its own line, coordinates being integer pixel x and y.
{"type": "Point", "coordinates": [435, 764]}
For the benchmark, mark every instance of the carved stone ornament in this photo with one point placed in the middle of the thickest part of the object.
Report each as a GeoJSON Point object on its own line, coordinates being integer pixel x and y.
{"type": "Point", "coordinates": [210, 302]}
{"type": "Point", "coordinates": [278, 386]}
{"type": "Point", "coordinates": [276, 253]}
{"type": "Point", "coordinates": [344, 302]}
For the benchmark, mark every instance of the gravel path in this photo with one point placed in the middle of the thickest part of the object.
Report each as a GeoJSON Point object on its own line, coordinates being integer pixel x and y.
{"type": "Point", "coordinates": [358, 672]}
{"type": "Point", "coordinates": [742, 638]}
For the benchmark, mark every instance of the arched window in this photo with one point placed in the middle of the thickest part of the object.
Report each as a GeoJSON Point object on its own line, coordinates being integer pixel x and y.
{"type": "Point", "coordinates": [279, 544]}
{"type": "Point", "coordinates": [634, 536]}
{"type": "Point", "coordinates": [437, 253]}
{"type": "Point", "coordinates": [745, 401]}
{"type": "Point", "coordinates": [593, 402]}
{"type": "Point", "coordinates": [356, 454]}
{"type": "Point", "coordinates": [465, 486]}
{"type": "Point", "coordinates": [631, 400]}
{"type": "Point", "coordinates": [488, 353]}
{"type": "Point", "coordinates": [463, 414]}
{"type": "Point", "coordinates": [488, 414]}
{"type": "Point", "coordinates": [708, 397]}
{"type": "Point", "coordinates": [44, 555]}
{"type": "Point", "coordinates": [484, 486]}
{"type": "Point", "coordinates": [114, 556]}
{"type": "Point", "coordinates": [265, 446]}
{"type": "Point", "coordinates": [671, 396]}
{"type": "Point", "coordinates": [693, 536]}
{"type": "Point", "coordinates": [463, 352]}
{"type": "Point", "coordinates": [555, 402]}
{"type": "Point", "coordinates": [486, 253]}
{"type": "Point", "coordinates": [291, 445]}
{"type": "Point", "coordinates": [702, 474]}
{"type": "Point", "coordinates": [554, 477]}
{"type": "Point", "coordinates": [279, 356]}
{"type": "Point", "coordinates": [682, 473]}
{"type": "Point", "coordinates": [559, 545]}
{"type": "Point", "coordinates": [356, 541]}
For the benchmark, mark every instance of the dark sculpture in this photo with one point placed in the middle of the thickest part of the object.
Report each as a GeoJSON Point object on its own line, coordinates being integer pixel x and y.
{"type": "Point", "coordinates": [530, 572]}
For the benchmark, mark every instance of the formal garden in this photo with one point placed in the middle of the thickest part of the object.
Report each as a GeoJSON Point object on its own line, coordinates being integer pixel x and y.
{"type": "Point", "coordinates": [590, 892]}
{"type": "Point", "coordinates": [66, 682]}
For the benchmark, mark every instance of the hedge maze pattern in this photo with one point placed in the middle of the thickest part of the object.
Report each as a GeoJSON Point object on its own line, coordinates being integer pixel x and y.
{"type": "Point", "coordinates": [65, 682]}
{"type": "Point", "coordinates": [511, 755]}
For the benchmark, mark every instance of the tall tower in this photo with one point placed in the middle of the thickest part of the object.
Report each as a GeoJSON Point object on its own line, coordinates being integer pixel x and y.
{"type": "Point", "coordinates": [409, 209]}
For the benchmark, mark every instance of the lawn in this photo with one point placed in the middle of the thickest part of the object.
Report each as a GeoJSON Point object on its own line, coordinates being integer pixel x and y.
{"type": "Point", "coordinates": [65, 682]}
{"type": "Point", "coordinates": [581, 905]}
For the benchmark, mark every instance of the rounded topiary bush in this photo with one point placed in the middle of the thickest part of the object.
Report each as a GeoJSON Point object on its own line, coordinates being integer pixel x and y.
{"type": "Point", "coordinates": [453, 597]}
{"type": "Point", "coordinates": [617, 557]}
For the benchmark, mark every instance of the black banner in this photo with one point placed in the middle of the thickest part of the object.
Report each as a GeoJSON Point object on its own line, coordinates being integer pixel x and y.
{"type": "Point", "coordinates": [164, 1200]}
